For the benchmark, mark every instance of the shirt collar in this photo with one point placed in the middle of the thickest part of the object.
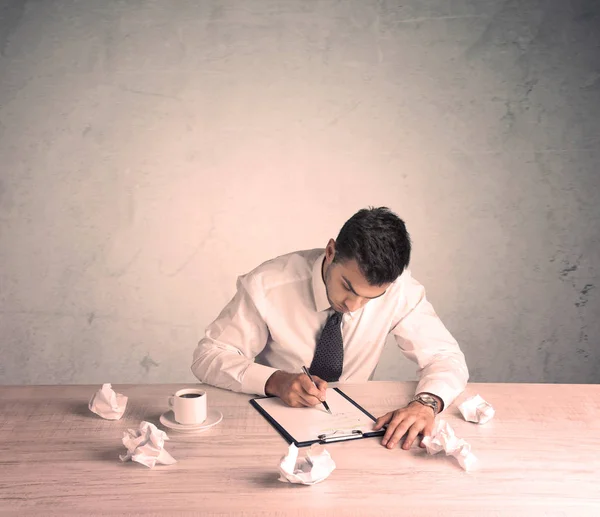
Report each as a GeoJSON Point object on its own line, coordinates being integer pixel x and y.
{"type": "Point", "coordinates": [319, 291]}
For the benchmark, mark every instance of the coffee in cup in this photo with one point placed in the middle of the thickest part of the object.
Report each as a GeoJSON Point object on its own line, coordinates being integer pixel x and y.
{"type": "Point", "coordinates": [189, 406]}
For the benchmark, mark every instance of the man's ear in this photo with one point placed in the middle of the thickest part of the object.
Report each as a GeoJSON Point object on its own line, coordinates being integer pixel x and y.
{"type": "Point", "coordinates": [330, 251]}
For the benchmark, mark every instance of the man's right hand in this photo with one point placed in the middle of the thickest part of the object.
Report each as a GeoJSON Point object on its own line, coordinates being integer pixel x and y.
{"type": "Point", "coordinates": [296, 389]}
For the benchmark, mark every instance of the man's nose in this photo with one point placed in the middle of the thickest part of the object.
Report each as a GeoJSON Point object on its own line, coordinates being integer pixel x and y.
{"type": "Point", "coordinates": [353, 304]}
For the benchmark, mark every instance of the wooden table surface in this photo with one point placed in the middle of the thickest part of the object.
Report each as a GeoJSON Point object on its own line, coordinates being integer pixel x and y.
{"type": "Point", "coordinates": [540, 455]}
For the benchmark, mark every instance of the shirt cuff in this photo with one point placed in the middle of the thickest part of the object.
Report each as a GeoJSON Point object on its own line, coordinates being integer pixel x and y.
{"type": "Point", "coordinates": [256, 377]}
{"type": "Point", "coordinates": [441, 389]}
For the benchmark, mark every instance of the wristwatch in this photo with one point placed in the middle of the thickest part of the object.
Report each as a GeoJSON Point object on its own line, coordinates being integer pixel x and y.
{"type": "Point", "coordinates": [427, 400]}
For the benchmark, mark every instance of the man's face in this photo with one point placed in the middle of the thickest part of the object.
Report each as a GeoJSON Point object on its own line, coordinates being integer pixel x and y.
{"type": "Point", "coordinates": [347, 288]}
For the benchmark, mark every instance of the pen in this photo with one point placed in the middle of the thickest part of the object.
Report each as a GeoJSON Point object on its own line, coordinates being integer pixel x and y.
{"type": "Point", "coordinates": [311, 380]}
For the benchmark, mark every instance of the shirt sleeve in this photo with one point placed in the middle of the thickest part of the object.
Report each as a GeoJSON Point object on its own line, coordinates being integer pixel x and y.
{"type": "Point", "coordinates": [225, 356]}
{"type": "Point", "coordinates": [424, 339]}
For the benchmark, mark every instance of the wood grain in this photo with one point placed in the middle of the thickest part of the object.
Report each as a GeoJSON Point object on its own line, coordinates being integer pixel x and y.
{"type": "Point", "coordinates": [540, 455]}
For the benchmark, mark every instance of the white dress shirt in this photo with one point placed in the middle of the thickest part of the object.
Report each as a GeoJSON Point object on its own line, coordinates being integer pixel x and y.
{"type": "Point", "coordinates": [274, 320]}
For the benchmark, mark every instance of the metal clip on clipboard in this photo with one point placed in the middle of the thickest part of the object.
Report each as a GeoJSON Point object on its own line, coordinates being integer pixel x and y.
{"type": "Point", "coordinates": [337, 436]}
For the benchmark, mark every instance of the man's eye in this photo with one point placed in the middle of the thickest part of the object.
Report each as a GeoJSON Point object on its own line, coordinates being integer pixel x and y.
{"type": "Point", "coordinates": [346, 287]}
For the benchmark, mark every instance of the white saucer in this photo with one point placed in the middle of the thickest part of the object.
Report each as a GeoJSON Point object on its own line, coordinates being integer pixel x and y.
{"type": "Point", "coordinates": [213, 417]}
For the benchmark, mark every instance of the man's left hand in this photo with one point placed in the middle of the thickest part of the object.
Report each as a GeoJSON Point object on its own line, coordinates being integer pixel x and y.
{"type": "Point", "coordinates": [415, 419]}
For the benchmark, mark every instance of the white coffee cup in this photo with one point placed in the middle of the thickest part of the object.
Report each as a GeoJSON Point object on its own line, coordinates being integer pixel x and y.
{"type": "Point", "coordinates": [189, 406]}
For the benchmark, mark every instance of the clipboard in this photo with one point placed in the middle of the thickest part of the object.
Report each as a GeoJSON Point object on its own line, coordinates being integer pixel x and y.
{"type": "Point", "coordinates": [305, 426]}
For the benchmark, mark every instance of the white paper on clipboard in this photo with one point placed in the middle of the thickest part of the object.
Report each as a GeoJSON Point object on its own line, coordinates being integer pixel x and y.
{"type": "Point", "coordinates": [307, 424]}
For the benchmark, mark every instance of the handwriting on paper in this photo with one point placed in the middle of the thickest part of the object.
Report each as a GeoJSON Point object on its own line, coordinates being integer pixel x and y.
{"type": "Point", "coordinates": [340, 421]}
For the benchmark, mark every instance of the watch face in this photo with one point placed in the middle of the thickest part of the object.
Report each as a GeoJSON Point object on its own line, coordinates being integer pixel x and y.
{"type": "Point", "coordinates": [427, 398]}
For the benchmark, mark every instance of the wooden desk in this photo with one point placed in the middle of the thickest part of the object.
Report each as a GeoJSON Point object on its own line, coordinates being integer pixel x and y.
{"type": "Point", "coordinates": [540, 455]}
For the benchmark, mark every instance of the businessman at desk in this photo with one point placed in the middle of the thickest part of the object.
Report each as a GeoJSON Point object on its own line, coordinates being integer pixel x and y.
{"type": "Point", "coordinates": [332, 309]}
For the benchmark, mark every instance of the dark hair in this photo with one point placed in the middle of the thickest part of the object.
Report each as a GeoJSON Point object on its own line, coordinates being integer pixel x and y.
{"type": "Point", "coordinates": [377, 239]}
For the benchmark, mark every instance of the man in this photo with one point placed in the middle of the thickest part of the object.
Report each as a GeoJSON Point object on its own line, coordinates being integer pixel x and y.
{"type": "Point", "coordinates": [332, 309]}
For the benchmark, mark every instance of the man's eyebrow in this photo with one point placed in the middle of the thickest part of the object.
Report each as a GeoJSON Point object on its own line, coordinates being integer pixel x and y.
{"type": "Point", "coordinates": [352, 289]}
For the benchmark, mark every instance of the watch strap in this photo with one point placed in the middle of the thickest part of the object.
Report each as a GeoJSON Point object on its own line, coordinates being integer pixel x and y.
{"type": "Point", "coordinates": [433, 404]}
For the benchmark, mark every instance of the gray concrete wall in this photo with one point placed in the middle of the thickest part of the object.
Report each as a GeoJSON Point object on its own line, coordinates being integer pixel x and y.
{"type": "Point", "coordinates": [151, 151]}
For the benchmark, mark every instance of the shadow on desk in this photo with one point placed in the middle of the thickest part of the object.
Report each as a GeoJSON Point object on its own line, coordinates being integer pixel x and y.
{"type": "Point", "coordinates": [81, 409]}
{"type": "Point", "coordinates": [271, 480]}
{"type": "Point", "coordinates": [111, 455]}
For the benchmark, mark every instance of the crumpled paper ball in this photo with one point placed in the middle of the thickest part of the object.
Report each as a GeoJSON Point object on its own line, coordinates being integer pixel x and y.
{"type": "Point", "coordinates": [476, 409]}
{"type": "Point", "coordinates": [146, 446]}
{"type": "Point", "coordinates": [314, 468]}
{"type": "Point", "coordinates": [444, 439]}
{"type": "Point", "coordinates": [108, 404]}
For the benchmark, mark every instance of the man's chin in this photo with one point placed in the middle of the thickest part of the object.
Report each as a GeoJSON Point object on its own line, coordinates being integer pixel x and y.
{"type": "Point", "coordinates": [336, 307]}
